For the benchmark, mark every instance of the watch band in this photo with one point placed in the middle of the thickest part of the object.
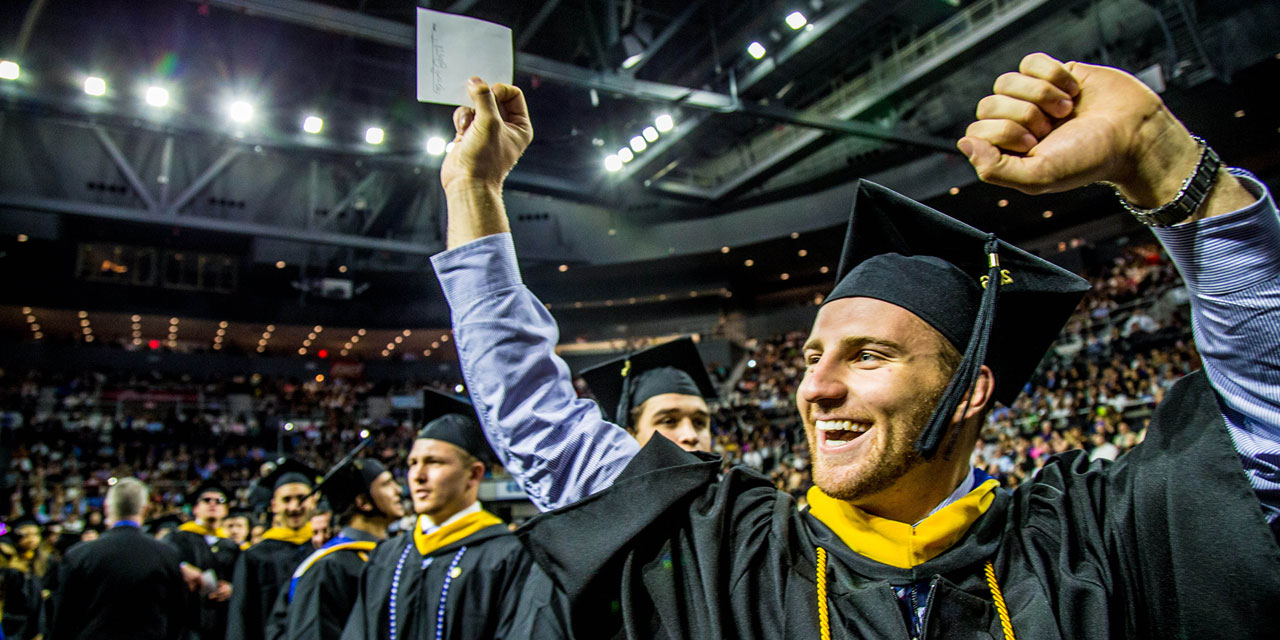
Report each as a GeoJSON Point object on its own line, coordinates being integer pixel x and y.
{"type": "Point", "coordinates": [1195, 189]}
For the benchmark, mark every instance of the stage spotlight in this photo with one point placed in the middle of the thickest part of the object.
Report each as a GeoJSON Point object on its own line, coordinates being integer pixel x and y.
{"type": "Point", "coordinates": [650, 134]}
{"type": "Point", "coordinates": [240, 111]}
{"type": "Point", "coordinates": [612, 163]}
{"type": "Point", "coordinates": [664, 123]}
{"type": "Point", "coordinates": [374, 135]}
{"type": "Point", "coordinates": [756, 50]}
{"type": "Point", "coordinates": [796, 20]}
{"type": "Point", "coordinates": [639, 144]}
{"type": "Point", "coordinates": [313, 124]}
{"type": "Point", "coordinates": [157, 96]}
{"type": "Point", "coordinates": [625, 155]}
{"type": "Point", "coordinates": [95, 86]}
{"type": "Point", "coordinates": [9, 70]}
{"type": "Point", "coordinates": [435, 145]}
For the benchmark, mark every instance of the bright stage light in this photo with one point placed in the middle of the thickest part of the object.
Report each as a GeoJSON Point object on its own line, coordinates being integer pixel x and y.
{"type": "Point", "coordinates": [756, 50]}
{"type": "Point", "coordinates": [313, 124]}
{"type": "Point", "coordinates": [639, 144]}
{"type": "Point", "coordinates": [664, 123]}
{"type": "Point", "coordinates": [95, 86]}
{"type": "Point", "coordinates": [625, 155]}
{"type": "Point", "coordinates": [796, 20]}
{"type": "Point", "coordinates": [435, 145]}
{"type": "Point", "coordinates": [9, 70]}
{"type": "Point", "coordinates": [374, 135]}
{"type": "Point", "coordinates": [650, 134]}
{"type": "Point", "coordinates": [240, 111]}
{"type": "Point", "coordinates": [612, 163]}
{"type": "Point", "coordinates": [157, 96]}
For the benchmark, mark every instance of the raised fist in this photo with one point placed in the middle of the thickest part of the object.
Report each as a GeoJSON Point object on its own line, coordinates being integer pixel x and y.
{"type": "Point", "coordinates": [490, 138]}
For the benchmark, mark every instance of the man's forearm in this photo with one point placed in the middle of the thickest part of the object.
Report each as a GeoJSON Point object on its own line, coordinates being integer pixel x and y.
{"type": "Point", "coordinates": [475, 211]}
{"type": "Point", "coordinates": [1166, 156]}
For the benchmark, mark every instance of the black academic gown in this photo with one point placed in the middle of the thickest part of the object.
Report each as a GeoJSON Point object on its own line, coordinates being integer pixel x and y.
{"type": "Point", "coordinates": [220, 556]}
{"type": "Point", "coordinates": [1167, 542]}
{"type": "Point", "coordinates": [261, 572]}
{"type": "Point", "coordinates": [325, 594]}
{"type": "Point", "coordinates": [482, 600]}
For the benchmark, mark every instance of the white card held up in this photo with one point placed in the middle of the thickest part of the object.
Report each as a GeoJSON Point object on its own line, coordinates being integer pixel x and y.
{"type": "Point", "coordinates": [452, 48]}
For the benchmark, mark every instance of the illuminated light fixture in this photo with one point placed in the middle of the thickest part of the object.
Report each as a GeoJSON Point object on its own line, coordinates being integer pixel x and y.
{"type": "Point", "coordinates": [137, 342]}
{"type": "Point", "coordinates": [1239, 114]}
{"type": "Point", "coordinates": [311, 336]}
{"type": "Point", "coordinates": [342, 268]}
{"type": "Point", "coordinates": [1002, 203]}
{"type": "Point", "coordinates": [625, 155]}
{"type": "Point", "coordinates": [448, 147]}
{"type": "Point", "coordinates": [407, 333]}
{"type": "Point", "coordinates": [1047, 214]}
{"type": "Point", "coordinates": [563, 268]}
{"type": "Point", "coordinates": [317, 328]}
{"type": "Point", "coordinates": [751, 363]}
{"type": "Point", "coordinates": [355, 338]}
{"type": "Point", "coordinates": [399, 339]}
{"type": "Point", "coordinates": [435, 345]}
{"type": "Point", "coordinates": [435, 145]}
{"type": "Point", "coordinates": [385, 353]}
{"type": "Point", "coordinates": [280, 264]}
{"type": "Point", "coordinates": [426, 353]}
{"type": "Point", "coordinates": [35, 326]}
{"type": "Point", "coordinates": [136, 318]}
{"type": "Point", "coordinates": [261, 348]}
{"type": "Point", "coordinates": [955, 191]}
{"type": "Point", "coordinates": [346, 346]}
{"type": "Point", "coordinates": [824, 269]}
{"type": "Point", "coordinates": [664, 123]}
{"type": "Point", "coordinates": [359, 332]}
{"type": "Point", "coordinates": [82, 314]}
{"type": "Point", "coordinates": [650, 134]}
{"type": "Point", "coordinates": [458, 388]}
{"type": "Point", "coordinates": [802, 253]}
{"type": "Point", "coordinates": [785, 276]}
{"type": "Point", "coordinates": [724, 249]}
{"type": "Point", "coordinates": [270, 328]}
{"type": "Point", "coordinates": [444, 338]}
{"type": "Point", "coordinates": [240, 111]}
{"type": "Point", "coordinates": [222, 325]}
{"type": "Point", "coordinates": [31, 318]}
{"type": "Point", "coordinates": [756, 50]}
{"type": "Point", "coordinates": [95, 86]}
{"type": "Point", "coordinates": [632, 60]}
{"type": "Point", "coordinates": [173, 321]}
{"type": "Point", "coordinates": [612, 163]}
{"type": "Point", "coordinates": [37, 335]}
{"type": "Point", "coordinates": [796, 20]}
{"type": "Point", "coordinates": [364, 433]}
{"type": "Point", "coordinates": [374, 135]}
{"type": "Point", "coordinates": [638, 144]}
{"type": "Point", "coordinates": [319, 377]}
{"type": "Point", "coordinates": [693, 294]}
{"type": "Point", "coordinates": [288, 426]}
{"type": "Point", "coordinates": [795, 235]}
{"type": "Point", "coordinates": [302, 351]}
{"type": "Point", "coordinates": [22, 237]}
{"type": "Point", "coordinates": [313, 124]}
{"type": "Point", "coordinates": [26, 310]}
{"type": "Point", "coordinates": [344, 352]}
{"type": "Point", "coordinates": [391, 346]}
{"type": "Point", "coordinates": [9, 70]}
{"type": "Point", "coordinates": [157, 96]}
{"type": "Point", "coordinates": [306, 343]}
{"type": "Point", "coordinates": [748, 262]}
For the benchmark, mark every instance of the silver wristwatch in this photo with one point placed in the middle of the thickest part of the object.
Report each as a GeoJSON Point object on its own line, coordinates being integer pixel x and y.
{"type": "Point", "coordinates": [1192, 194]}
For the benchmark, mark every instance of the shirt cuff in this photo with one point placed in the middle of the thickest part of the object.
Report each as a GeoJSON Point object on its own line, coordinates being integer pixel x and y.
{"type": "Point", "coordinates": [1230, 252]}
{"type": "Point", "coordinates": [477, 269]}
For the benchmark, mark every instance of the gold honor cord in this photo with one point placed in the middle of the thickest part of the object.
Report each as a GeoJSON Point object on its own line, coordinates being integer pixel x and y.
{"type": "Point", "coordinates": [824, 618]}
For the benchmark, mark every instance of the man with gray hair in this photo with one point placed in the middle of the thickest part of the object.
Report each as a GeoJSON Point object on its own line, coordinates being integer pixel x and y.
{"type": "Point", "coordinates": [124, 584]}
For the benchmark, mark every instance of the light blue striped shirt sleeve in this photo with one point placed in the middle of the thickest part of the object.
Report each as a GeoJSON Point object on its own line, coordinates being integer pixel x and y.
{"type": "Point", "coordinates": [1231, 265]}
{"type": "Point", "coordinates": [558, 446]}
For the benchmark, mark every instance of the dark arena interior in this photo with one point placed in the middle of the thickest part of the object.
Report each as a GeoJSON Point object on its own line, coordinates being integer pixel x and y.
{"type": "Point", "coordinates": [217, 227]}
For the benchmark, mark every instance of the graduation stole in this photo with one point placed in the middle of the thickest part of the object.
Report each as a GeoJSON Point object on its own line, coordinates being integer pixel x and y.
{"type": "Point", "coordinates": [452, 532]}
{"type": "Point", "coordinates": [292, 536]}
{"type": "Point", "coordinates": [899, 544]}
{"type": "Point", "coordinates": [199, 529]}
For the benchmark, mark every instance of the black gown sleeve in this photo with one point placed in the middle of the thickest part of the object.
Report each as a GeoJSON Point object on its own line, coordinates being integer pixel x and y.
{"type": "Point", "coordinates": [324, 598]}
{"type": "Point", "coordinates": [244, 614]}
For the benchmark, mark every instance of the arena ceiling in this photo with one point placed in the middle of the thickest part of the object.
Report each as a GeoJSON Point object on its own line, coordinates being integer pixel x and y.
{"type": "Point", "coordinates": [759, 158]}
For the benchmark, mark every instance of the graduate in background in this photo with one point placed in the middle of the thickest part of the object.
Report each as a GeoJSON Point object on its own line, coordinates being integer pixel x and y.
{"type": "Point", "coordinates": [265, 568]}
{"type": "Point", "coordinates": [205, 549]}
{"type": "Point", "coordinates": [661, 390]}
{"type": "Point", "coordinates": [931, 321]}
{"type": "Point", "coordinates": [366, 499]}
{"type": "Point", "coordinates": [459, 573]}
{"type": "Point", "coordinates": [237, 526]}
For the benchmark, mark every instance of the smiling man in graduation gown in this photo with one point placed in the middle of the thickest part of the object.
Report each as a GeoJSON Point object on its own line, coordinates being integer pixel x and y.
{"type": "Point", "coordinates": [930, 322]}
{"type": "Point", "coordinates": [662, 390]}
{"type": "Point", "coordinates": [459, 573]}
{"type": "Point", "coordinates": [205, 549]}
{"type": "Point", "coordinates": [265, 568]}
{"type": "Point", "coordinates": [366, 500]}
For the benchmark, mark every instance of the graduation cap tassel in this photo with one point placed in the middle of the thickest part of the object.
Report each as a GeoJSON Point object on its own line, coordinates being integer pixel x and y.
{"type": "Point", "coordinates": [974, 356]}
{"type": "Point", "coordinates": [624, 400]}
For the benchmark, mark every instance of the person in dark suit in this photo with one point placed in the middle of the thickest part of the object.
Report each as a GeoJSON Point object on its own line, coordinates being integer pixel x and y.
{"type": "Point", "coordinates": [125, 584]}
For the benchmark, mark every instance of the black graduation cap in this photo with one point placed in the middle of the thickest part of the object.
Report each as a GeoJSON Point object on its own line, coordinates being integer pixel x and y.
{"type": "Point", "coordinates": [622, 384]}
{"type": "Point", "coordinates": [348, 479]}
{"type": "Point", "coordinates": [997, 304]}
{"type": "Point", "coordinates": [208, 486]}
{"type": "Point", "coordinates": [452, 419]}
{"type": "Point", "coordinates": [290, 471]}
{"type": "Point", "coordinates": [156, 525]}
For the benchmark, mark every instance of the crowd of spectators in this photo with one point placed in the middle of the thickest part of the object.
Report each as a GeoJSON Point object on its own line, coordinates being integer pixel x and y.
{"type": "Point", "coordinates": [70, 435]}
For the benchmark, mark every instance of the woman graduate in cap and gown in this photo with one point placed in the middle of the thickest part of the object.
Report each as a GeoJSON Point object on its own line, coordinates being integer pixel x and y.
{"type": "Point", "coordinates": [930, 322]}
{"type": "Point", "coordinates": [459, 573]}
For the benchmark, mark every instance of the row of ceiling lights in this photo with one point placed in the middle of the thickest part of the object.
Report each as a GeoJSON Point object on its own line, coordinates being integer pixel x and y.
{"type": "Point", "coordinates": [664, 122]}
{"type": "Point", "coordinates": [241, 112]}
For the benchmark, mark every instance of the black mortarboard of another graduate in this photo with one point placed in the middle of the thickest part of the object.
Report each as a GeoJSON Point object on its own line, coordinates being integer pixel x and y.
{"type": "Point", "coordinates": [208, 486]}
{"type": "Point", "coordinates": [171, 521]}
{"type": "Point", "coordinates": [625, 383]}
{"type": "Point", "coordinates": [997, 304]}
{"type": "Point", "coordinates": [290, 471]}
{"type": "Point", "coordinates": [452, 419]}
{"type": "Point", "coordinates": [348, 479]}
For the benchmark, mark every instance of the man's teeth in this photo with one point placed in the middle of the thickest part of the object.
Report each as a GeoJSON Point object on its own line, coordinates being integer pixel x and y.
{"type": "Point", "coordinates": [841, 425]}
